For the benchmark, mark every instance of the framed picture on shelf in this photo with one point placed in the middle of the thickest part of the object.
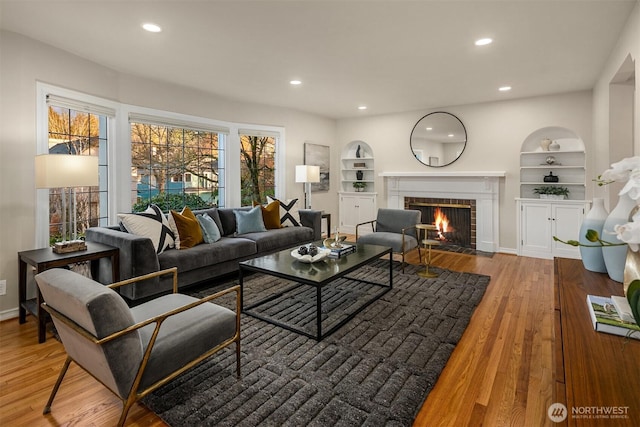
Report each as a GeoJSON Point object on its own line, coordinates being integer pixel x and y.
{"type": "Point", "coordinates": [359, 165]}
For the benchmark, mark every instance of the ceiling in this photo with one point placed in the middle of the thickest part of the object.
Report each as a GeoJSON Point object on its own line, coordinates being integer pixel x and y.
{"type": "Point", "coordinates": [392, 56]}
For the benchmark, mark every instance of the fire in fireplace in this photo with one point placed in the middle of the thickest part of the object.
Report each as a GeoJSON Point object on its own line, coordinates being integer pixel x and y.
{"type": "Point", "coordinates": [455, 219]}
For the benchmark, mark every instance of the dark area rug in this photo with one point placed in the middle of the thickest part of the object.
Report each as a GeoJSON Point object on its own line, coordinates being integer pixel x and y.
{"type": "Point", "coordinates": [375, 370]}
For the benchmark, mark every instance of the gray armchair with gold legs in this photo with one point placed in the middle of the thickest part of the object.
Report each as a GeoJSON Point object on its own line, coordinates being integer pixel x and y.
{"type": "Point", "coordinates": [133, 351]}
{"type": "Point", "coordinates": [395, 228]}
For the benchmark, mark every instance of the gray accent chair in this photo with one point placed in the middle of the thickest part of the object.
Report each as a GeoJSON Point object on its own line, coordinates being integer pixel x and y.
{"type": "Point", "coordinates": [133, 351]}
{"type": "Point", "coordinates": [395, 228]}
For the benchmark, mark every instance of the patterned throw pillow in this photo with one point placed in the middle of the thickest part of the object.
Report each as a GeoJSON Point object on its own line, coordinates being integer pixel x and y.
{"type": "Point", "coordinates": [151, 224]}
{"type": "Point", "coordinates": [289, 216]}
{"type": "Point", "coordinates": [186, 228]}
{"type": "Point", "coordinates": [210, 230]}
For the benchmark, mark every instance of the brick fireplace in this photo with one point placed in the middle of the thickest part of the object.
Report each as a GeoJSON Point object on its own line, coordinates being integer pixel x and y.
{"type": "Point", "coordinates": [460, 216]}
{"type": "Point", "coordinates": [480, 190]}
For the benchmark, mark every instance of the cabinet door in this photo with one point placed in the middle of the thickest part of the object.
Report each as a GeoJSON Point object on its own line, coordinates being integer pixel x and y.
{"type": "Point", "coordinates": [565, 224]}
{"type": "Point", "coordinates": [366, 208]}
{"type": "Point", "coordinates": [535, 229]}
{"type": "Point", "coordinates": [349, 215]}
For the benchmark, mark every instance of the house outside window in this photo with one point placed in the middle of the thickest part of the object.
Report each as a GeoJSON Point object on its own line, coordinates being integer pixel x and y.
{"type": "Point", "coordinates": [80, 133]}
{"type": "Point", "coordinates": [173, 167]}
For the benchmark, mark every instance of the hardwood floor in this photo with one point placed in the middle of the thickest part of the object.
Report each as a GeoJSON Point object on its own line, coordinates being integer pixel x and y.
{"type": "Point", "coordinates": [498, 375]}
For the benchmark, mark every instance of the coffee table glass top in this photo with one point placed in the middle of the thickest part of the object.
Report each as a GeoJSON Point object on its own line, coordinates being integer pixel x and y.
{"type": "Point", "coordinates": [284, 265]}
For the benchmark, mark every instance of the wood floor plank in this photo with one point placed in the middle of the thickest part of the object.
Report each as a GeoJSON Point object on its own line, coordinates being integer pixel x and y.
{"type": "Point", "coordinates": [498, 375]}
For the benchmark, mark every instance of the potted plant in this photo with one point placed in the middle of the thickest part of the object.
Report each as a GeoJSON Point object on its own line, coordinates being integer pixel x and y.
{"type": "Point", "coordinates": [552, 192]}
{"type": "Point", "coordinates": [359, 185]}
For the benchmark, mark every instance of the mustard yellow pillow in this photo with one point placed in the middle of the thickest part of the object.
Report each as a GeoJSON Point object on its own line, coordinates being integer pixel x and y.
{"type": "Point", "coordinates": [187, 229]}
{"type": "Point", "coordinates": [270, 214]}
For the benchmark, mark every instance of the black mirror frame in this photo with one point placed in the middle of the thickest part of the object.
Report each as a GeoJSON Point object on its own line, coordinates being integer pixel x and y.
{"type": "Point", "coordinates": [466, 137]}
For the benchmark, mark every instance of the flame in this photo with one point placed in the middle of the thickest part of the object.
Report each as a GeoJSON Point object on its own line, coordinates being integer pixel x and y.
{"type": "Point", "coordinates": [441, 221]}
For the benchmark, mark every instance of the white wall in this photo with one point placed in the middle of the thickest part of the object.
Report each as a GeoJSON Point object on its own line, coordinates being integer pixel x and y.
{"type": "Point", "coordinates": [495, 132]}
{"type": "Point", "coordinates": [24, 61]}
{"type": "Point", "coordinates": [603, 124]}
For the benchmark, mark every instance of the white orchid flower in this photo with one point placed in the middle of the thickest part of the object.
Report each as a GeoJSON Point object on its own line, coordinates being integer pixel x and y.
{"type": "Point", "coordinates": [621, 170]}
{"type": "Point", "coordinates": [632, 187]}
{"type": "Point", "coordinates": [630, 232]}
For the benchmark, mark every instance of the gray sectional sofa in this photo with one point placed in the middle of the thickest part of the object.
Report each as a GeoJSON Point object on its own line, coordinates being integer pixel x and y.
{"type": "Point", "coordinates": [202, 262]}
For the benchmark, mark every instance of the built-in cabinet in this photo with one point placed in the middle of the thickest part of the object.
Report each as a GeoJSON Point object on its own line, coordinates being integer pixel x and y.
{"type": "Point", "coordinates": [539, 220]}
{"type": "Point", "coordinates": [356, 205]}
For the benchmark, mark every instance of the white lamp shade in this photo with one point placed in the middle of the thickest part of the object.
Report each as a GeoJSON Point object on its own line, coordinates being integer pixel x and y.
{"type": "Point", "coordinates": [66, 170]}
{"type": "Point", "coordinates": [307, 173]}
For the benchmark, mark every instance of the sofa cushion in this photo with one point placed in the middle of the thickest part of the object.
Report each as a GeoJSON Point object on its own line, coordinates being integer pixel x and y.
{"type": "Point", "coordinates": [280, 238]}
{"type": "Point", "coordinates": [186, 228]}
{"type": "Point", "coordinates": [225, 249]}
{"type": "Point", "coordinates": [228, 220]}
{"type": "Point", "coordinates": [210, 230]}
{"type": "Point", "coordinates": [151, 224]}
{"type": "Point", "coordinates": [249, 221]}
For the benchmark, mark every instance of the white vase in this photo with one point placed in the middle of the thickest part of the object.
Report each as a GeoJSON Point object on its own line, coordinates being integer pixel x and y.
{"type": "Point", "coordinates": [615, 256]}
{"type": "Point", "coordinates": [592, 257]}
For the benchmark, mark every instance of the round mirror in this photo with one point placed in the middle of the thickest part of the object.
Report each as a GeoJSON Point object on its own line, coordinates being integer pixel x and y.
{"type": "Point", "coordinates": [438, 139]}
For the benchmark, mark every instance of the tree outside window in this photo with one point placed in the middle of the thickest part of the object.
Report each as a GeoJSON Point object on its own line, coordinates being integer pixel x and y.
{"type": "Point", "coordinates": [257, 168]}
{"type": "Point", "coordinates": [78, 133]}
{"type": "Point", "coordinates": [174, 167]}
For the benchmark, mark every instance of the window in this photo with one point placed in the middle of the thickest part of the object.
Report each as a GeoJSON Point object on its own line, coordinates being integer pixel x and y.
{"type": "Point", "coordinates": [78, 133]}
{"type": "Point", "coordinates": [257, 167]}
{"type": "Point", "coordinates": [174, 166]}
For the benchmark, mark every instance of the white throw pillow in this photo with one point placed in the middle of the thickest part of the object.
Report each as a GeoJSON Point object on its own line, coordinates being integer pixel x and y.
{"type": "Point", "coordinates": [152, 224]}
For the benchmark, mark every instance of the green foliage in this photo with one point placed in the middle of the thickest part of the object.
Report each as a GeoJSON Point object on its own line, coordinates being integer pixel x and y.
{"type": "Point", "coordinates": [174, 202]}
{"type": "Point", "coordinates": [359, 184]}
{"type": "Point", "coordinates": [552, 189]}
{"type": "Point", "coordinates": [633, 295]}
{"type": "Point", "coordinates": [592, 236]}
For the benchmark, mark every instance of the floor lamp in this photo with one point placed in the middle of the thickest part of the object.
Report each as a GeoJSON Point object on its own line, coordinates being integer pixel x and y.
{"type": "Point", "coordinates": [67, 171]}
{"type": "Point", "coordinates": [307, 174]}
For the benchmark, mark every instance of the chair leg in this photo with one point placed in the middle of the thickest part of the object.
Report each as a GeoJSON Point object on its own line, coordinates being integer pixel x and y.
{"type": "Point", "coordinates": [65, 367]}
{"type": "Point", "coordinates": [238, 358]}
{"type": "Point", "coordinates": [126, 405]}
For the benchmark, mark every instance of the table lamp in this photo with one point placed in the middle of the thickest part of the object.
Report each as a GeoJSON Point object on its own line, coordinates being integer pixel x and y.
{"type": "Point", "coordinates": [67, 171]}
{"type": "Point", "coordinates": [307, 174]}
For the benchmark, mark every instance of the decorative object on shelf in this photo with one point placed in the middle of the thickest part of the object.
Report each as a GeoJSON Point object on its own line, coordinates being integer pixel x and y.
{"type": "Point", "coordinates": [307, 174]}
{"type": "Point", "coordinates": [551, 177]}
{"type": "Point", "coordinates": [550, 160]}
{"type": "Point", "coordinates": [554, 192]}
{"type": "Point", "coordinates": [554, 146]}
{"type": "Point", "coordinates": [359, 175]}
{"type": "Point", "coordinates": [591, 255]}
{"type": "Point", "coordinates": [357, 165]}
{"type": "Point", "coordinates": [358, 152]}
{"type": "Point", "coordinates": [359, 186]}
{"type": "Point", "coordinates": [67, 171]}
{"type": "Point", "coordinates": [545, 143]}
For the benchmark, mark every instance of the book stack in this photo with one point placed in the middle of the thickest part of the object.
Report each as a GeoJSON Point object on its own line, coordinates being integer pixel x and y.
{"type": "Point", "coordinates": [344, 249]}
{"type": "Point", "coordinates": [613, 316]}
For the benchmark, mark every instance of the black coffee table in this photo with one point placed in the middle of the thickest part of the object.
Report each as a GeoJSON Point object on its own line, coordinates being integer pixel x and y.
{"type": "Point", "coordinates": [318, 275]}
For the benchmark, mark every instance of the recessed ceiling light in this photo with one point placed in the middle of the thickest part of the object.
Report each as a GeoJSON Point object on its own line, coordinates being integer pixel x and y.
{"type": "Point", "coordinates": [451, 135]}
{"type": "Point", "coordinates": [295, 82]}
{"type": "Point", "coordinates": [152, 28]}
{"type": "Point", "coordinates": [483, 42]}
{"type": "Point", "coordinates": [429, 128]}
{"type": "Point", "coordinates": [504, 88]}
{"type": "Point", "coordinates": [362, 107]}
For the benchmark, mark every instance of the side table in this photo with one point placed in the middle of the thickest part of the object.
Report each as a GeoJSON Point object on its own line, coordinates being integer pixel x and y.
{"type": "Point", "coordinates": [44, 259]}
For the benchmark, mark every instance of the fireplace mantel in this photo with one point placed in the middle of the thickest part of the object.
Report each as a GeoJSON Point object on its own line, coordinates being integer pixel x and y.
{"type": "Point", "coordinates": [481, 186]}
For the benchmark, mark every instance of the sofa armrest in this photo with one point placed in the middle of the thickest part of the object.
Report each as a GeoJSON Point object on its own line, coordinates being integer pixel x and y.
{"type": "Point", "coordinates": [137, 254]}
{"type": "Point", "coordinates": [313, 219]}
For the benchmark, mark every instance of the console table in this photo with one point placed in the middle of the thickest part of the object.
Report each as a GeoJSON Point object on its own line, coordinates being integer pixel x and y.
{"type": "Point", "coordinates": [44, 259]}
{"type": "Point", "coordinates": [594, 372]}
